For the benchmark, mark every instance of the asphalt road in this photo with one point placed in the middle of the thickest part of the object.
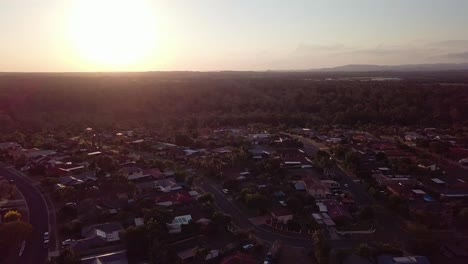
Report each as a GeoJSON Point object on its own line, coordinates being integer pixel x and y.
{"type": "Point", "coordinates": [359, 194]}
{"type": "Point", "coordinates": [241, 220]}
{"type": "Point", "coordinates": [34, 252]}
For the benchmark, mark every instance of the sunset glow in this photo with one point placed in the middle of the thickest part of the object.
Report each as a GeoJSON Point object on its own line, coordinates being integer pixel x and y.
{"type": "Point", "coordinates": [112, 33]}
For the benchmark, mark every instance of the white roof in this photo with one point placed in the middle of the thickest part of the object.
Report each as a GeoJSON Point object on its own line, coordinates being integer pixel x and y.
{"type": "Point", "coordinates": [194, 193]}
{"type": "Point", "coordinates": [182, 220]}
{"type": "Point", "coordinates": [292, 162]}
{"type": "Point", "coordinates": [190, 151]}
{"type": "Point", "coordinates": [212, 254]}
{"type": "Point", "coordinates": [419, 191]}
{"type": "Point", "coordinates": [317, 216]}
{"type": "Point", "coordinates": [322, 207]}
{"type": "Point", "coordinates": [384, 169]}
{"type": "Point", "coordinates": [167, 203]}
{"type": "Point", "coordinates": [113, 236]}
{"type": "Point", "coordinates": [405, 260]}
{"type": "Point", "coordinates": [437, 180]}
{"type": "Point", "coordinates": [139, 221]}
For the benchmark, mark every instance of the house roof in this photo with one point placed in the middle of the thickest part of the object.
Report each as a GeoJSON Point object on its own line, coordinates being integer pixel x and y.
{"type": "Point", "coordinates": [131, 169]}
{"type": "Point", "coordinates": [280, 211]}
{"type": "Point", "coordinates": [336, 209]}
{"type": "Point", "coordinates": [300, 185]}
{"type": "Point", "coordinates": [239, 258]}
{"type": "Point", "coordinates": [182, 219]}
{"type": "Point", "coordinates": [88, 231]}
{"type": "Point", "coordinates": [313, 184]}
{"type": "Point", "coordinates": [355, 259]}
{"type": "Point", "coordinates": [388, 259]}
{"type": "Point", "coordinates": [155, 172]}
{"type": "Point", "coordinates": [119, 257]}
{"type": "Point", "coordinates": [186, 254]}
{"type": "Point", "coordinates": [183, 197]}
{"type": "Point", "coordinates": [87, 243]}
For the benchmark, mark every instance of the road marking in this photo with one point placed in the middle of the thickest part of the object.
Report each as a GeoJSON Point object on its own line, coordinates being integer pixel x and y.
{"type": "Point", "coordinates": [23, 246]}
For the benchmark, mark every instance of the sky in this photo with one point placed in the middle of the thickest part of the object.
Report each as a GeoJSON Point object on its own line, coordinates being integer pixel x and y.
{"type": "Point", "coordinates": [206, 35]}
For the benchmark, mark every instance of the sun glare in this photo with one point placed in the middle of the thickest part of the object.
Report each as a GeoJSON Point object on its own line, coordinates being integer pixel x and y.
{"type": "Point", "coordinates": [112, 33]}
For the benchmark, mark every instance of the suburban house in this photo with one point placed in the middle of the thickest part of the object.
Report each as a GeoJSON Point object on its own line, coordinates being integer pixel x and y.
{"type": "Point", "coordinates": [316, 188]}
{"type": "Point", "coordinates": [175, 198]}
{"type": "Point", "coordinates": [387, 259]}
{"type": "Point", "coordinates": [97, 236]}
{"type": "Point", "coordinates": [412, 136]}
{"type": "Point", "coordinates": [9, 145]}
{"type": "Point", "coordinates": [281, 215]}
{"type": "Point", "coordinates": [77, 179]}
{"type": "Point", "coordinates": [337, 211]}
{"type": "Point", "coordinates": [239, 258]}
{"type": "Point", "coordinates": [167, 185]}
{"type": "Point", "coordinates": [176, 225]}
{"type": "Point", "coordinates": [118, 257]}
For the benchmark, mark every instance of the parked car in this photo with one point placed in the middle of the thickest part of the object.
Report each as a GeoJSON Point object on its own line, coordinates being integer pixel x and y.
{"type": "Point", "coordinates": [247, 246]}
{"type": "Point", "coordinates": [67, 242]}
{"type": "Point", "coordinates": [225, 191]}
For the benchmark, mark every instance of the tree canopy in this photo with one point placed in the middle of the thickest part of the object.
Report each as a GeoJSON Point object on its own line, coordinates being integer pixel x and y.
{"type": "Point", "coordinates": [55, 101]}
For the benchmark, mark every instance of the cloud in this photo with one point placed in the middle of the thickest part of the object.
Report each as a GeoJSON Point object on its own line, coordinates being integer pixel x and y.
{"type": "Point", "coordinates": [310, 48]}
{"type": "Point", "coordinates": [456, 57]}
{"type": "Point", "coordinates": [306, 56]}
{"type": "Point", "coordinates": [451, 44]}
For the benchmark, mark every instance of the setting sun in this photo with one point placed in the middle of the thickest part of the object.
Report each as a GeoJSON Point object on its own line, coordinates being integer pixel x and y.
{"type": "Point", "coordinates": [112, 33]}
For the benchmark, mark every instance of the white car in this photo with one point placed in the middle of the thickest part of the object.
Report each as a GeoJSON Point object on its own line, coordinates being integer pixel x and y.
{"type": "Point", "coordinates": [225, 191]}
{"type": "Point", "coordinates": [283, 203]}
{"type": "Point", "coordinates": [46, 236]}
{"type": "Point", "coordinates": [67, 242]}
{"type": "Point", "coordinates": [346, 185]}
{"type": "Point", "coordinates": [247, 246]}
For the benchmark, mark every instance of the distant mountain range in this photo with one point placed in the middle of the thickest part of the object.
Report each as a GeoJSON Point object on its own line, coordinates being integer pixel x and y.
{"type": "Point", "coordinates": [397, 68]}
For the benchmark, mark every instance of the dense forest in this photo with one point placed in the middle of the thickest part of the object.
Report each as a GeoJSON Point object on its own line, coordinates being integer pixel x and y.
{"type": "Point", "coordinates": [56, 101]}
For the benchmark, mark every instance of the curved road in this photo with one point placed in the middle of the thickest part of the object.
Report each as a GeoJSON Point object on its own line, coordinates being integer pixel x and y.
{"type": "Point", "coordinates": [34, 252]}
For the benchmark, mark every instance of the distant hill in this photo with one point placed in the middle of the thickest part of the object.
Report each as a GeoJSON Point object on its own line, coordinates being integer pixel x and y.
{"type": "Point", "coordinates": [399, 68]}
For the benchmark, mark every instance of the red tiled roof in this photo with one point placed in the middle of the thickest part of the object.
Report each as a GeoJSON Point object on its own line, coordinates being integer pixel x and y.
{"type": "Point", "coordinates": [383, 146]}
{"type": "Point", "coordinates": [239, 258]}
{"type": "Point", "coordinates": [280, 212]}
{"type": "Point", "coordinates": [156, 173]}
{"type": "Point", "coordinates": [313, 184]}
{"type": "Point", "coordinates": [397, 153]}
{"type": "Point", "coordinates": [178, 197]}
